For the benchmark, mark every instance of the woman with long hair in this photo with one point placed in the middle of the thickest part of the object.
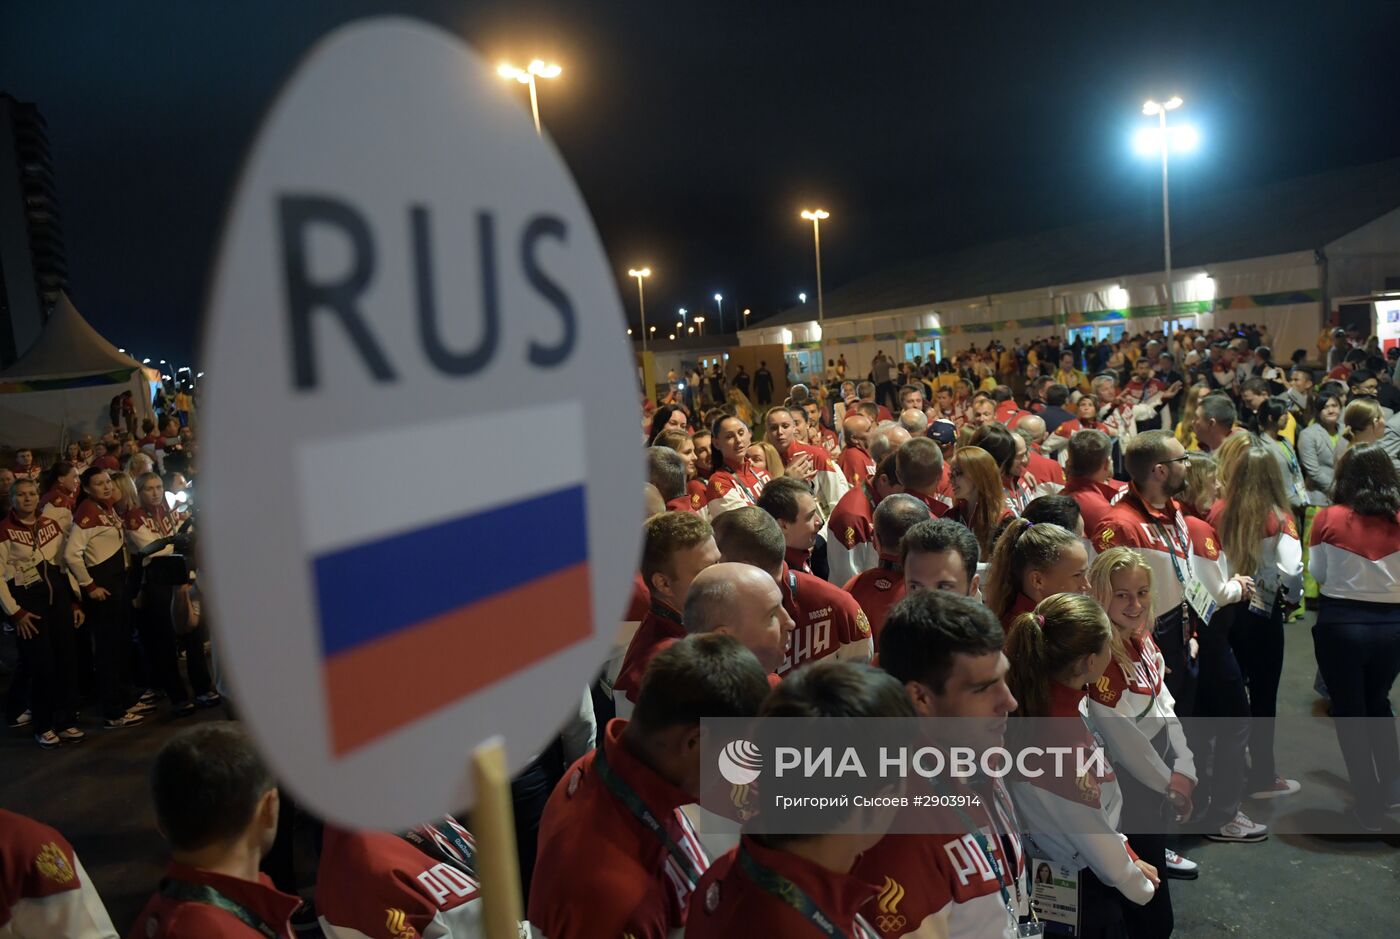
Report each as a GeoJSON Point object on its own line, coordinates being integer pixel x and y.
{"type": "Point", "coordinates": [1134, 712]}
{"type": "Point", "coordinates": [980, 499]}
{"type": "Point", "coordinates": [1055, 652]}
{"type": "Point", "coordinates": [1202, 486]}
{"type": "Point", "coordinates": [734, 482]}
{"type": "Point", "coordinates": [764, 456]}
{"type": "Point", "coordinates": [668, 417]}
{"type": "Point", "coordinates": [1013, 457]}
{"type": "Point", "coordinates": [97, 562]}
{"type": "Point", "coordinates": [1355, 559]}
{"type": "Point", "coordinates": [1260, 540]}
{"type": "Point", "coordinates": [743, 409]}
{"type": "Point", "coordinates": [1033, 561]}
{"type": "Point", "coordinates": [1184, 431]}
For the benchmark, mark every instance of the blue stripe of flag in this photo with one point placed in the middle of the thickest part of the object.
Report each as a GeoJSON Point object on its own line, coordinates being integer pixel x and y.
{"type": "Point", "coordinates": [376, 588]}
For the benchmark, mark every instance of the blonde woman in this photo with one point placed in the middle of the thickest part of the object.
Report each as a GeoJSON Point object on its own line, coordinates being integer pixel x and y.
{"type": "Point", "coordinates": [1362, 422]}
{"type": "Point", "coordinates": [764, 456]}
{"type": "Point", "coordinates": [1184, 433]}
{"type": "Point", "coordinates": [1260, 539]}
{"type": "Point", "coordinates": [1202, 487]}
{"type": "Point", "coordinates": [742, 408]}
{"type": "Point", "coordinates": [1135, 714]}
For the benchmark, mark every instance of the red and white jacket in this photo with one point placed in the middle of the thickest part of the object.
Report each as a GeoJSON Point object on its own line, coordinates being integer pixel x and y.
{"type": "Point", "coordinates": [1280, 554]}
{"type": "Point", "coordinates": [1129, 706]}
{"type": "Point", "coordinates": [44, 890]}
{"type": "Point", "coordinates": [28, 554]}
{"type": "Point", "coordinates": [144, 526]}
{"type": "Point", "coordinates": [1161, 536]}
{"type": "Point", "coordinates": [600, 871]}
{"type": "Point", "coordinates": [1073, 819]}
{"type": "Point", "coordinates": [58, 505]}
{"type": "Point", "coordinates": [32, 471]}
{"type": "Point", "coordinates": [941, 885]}
{"type": "Point", "coordinates": [876, 591]}
{"type": "Point", "coordinates": [371, 884]}
{"type": "Point", "coordinates": [1094, 498]}
{"type": "Point", "coordinates": [731, 489]}
{"type": "Point", "coordinates": [95, 538]}
{"type": "Point", "coordinates": [1354, 556]}
{"type": "Point", "coordinates": [829, 622]}
{"type": "Point", "coordinates": [857, 464]}
{"type": "Point", "coordinates": [850, 545]}
{"type": "Point", "coordinates": [829, 484]}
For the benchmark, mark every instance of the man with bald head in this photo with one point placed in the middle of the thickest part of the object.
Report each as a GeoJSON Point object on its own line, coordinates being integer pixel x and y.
{"type": "Point", "coordinates": [855, 461]}
{"type": "Point", "coordinates": [914, 421]}
{"type": "Point", "coordinates": [1049, 474]}
{"type": "Point", "coordinates": [829, 621]}
{"type": "Point", "coordinates": [886, 439]}
{"type": "Point", "coordinates": [741, 601]}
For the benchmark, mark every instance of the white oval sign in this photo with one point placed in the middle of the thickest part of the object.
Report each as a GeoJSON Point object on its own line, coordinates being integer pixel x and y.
{"type": "Point", "coordinates": [420, 511]}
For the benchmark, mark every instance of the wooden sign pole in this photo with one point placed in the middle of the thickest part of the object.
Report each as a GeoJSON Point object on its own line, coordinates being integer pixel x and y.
{"type": "Point", "coordinates": [493, 824]}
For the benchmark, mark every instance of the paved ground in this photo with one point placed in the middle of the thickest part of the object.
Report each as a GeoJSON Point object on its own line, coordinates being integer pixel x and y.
{"type": "Point", "coordinates": [1291, 885]}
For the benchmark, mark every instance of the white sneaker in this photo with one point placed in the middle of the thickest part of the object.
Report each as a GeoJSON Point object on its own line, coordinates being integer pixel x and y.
{"type": "Point", "coordinates": [1280, 787]}
{"type": "Point", "coordinates": [22, 720]}
{"type": "Point", "coordinates": [1181, 867]}
{"type": "Point", "coordinates": [1240, 829]}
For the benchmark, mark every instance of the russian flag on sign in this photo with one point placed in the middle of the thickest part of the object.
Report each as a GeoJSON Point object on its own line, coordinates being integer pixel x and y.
{"type": "Point", "coordinates": [461, 569]}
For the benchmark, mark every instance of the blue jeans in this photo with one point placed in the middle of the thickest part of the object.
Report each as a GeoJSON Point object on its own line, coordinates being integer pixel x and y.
{"type": "Point", "coordinates": [1358, 651]}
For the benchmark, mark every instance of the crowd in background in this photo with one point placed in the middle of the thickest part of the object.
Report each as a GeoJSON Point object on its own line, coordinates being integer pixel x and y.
{"type": "Point", "coordinates": [1112, 534]}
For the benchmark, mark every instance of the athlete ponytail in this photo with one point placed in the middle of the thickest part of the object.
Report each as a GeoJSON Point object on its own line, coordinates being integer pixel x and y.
{"type": "Point", "coordinates": [1043, 645]}
{"type": "Point", "coordinates": [1023, 547]}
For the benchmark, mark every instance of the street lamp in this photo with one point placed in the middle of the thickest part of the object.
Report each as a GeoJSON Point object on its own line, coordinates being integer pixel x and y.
{"type": "Point", "coordinates": [642, 300]}
{"type": "Point", "coordinates": [746, 318]}
{"type": "Point", "coordinates": [815, 216]}
{"type": "Point", "coordinates": [682, 311]}
{"type": "Point", "coordinates": [700, 322]}
{"type": "Point", "coordinates": [527, 76]}
{"type": "Point", "coordinates": [690, 330]}
{"type": "Point", "coordinates": [719, 305]}
{"type": "Point", "coordinates": [802, 297]}
{"type": "Point", "coordinates": [1145, 142]}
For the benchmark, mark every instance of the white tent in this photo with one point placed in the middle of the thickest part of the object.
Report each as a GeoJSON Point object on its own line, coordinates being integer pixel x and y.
{"type": "Point", "coordinates": [63, 386]}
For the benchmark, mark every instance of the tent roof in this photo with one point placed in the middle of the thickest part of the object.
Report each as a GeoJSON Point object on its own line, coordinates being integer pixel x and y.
{"type": "Point", "coordinates": [1281, 218]}
{"type": "Point", "coordinates": [68, 347]}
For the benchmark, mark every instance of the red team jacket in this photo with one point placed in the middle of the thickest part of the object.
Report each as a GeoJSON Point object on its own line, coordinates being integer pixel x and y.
{"type": "Point", "coordinates": [857, 464]}
{"type": "Point", "coordinates": [44, 890]}
{"type": "Point", "coordinates": [374, 885]}
{"type": "Point", "coordinates": [829, 622]}
{"type": "Point", "coordinates": [876, 591]}
{"type": "Point", "coordinates": [1356, 557]}
{"type": "Point", "coordinates": [660, 627]}
{"type": "Point", "coordinates": [168, 918]}
{"type": "Point", "coordinates": [728, 904]}
{"type": "Point", "coordinates": [850, 547]}
{"type": "Point", "coordinates": [695, 489]}
{"type": "Point", "coordinates": [945, 880]}
{"type": "Point", "coordinates": [1094, 498]}
{"type": "Point", "coordinates": [601, 871]}
{"type": "Point", "coordinates": [729, 489]}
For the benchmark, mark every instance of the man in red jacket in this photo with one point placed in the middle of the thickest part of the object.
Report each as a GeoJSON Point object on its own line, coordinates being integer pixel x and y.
{"type": "Point", "coordinates": [879, 589]}
{"type": "Point", "coordinates": [217, 805]}
{"type": "Point", "coordinates": [676, 547]}
{"type": "Point", "coordinates": [855, 461]}
{"type": "Point", "coordinates": [616, 856]}
{"type": "Point", "coordinates": [829, 621]}
{"type": "Point", "coordinates": [1089, 475]}
{"type": "Point", "coordinates": [794, 508]}
{"type": "Point", "coordinates": [423, 883]}
{"type": "Point", "coordinates": [801, 885]}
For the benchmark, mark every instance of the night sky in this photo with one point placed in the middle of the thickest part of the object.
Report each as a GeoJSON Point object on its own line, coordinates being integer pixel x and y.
{"type": "Point", "coordinates": [697, 131]}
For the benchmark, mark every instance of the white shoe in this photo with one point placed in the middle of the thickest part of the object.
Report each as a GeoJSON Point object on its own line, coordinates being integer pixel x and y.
{"type": "Point", "coordinates": [1240, 829]}
{"type": "Point", "coordinates": [22, 720]}
{"type": "Point", "coordinates": [1281, 787]}
{"type": "Point", "coordinates": [1181, 867]}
